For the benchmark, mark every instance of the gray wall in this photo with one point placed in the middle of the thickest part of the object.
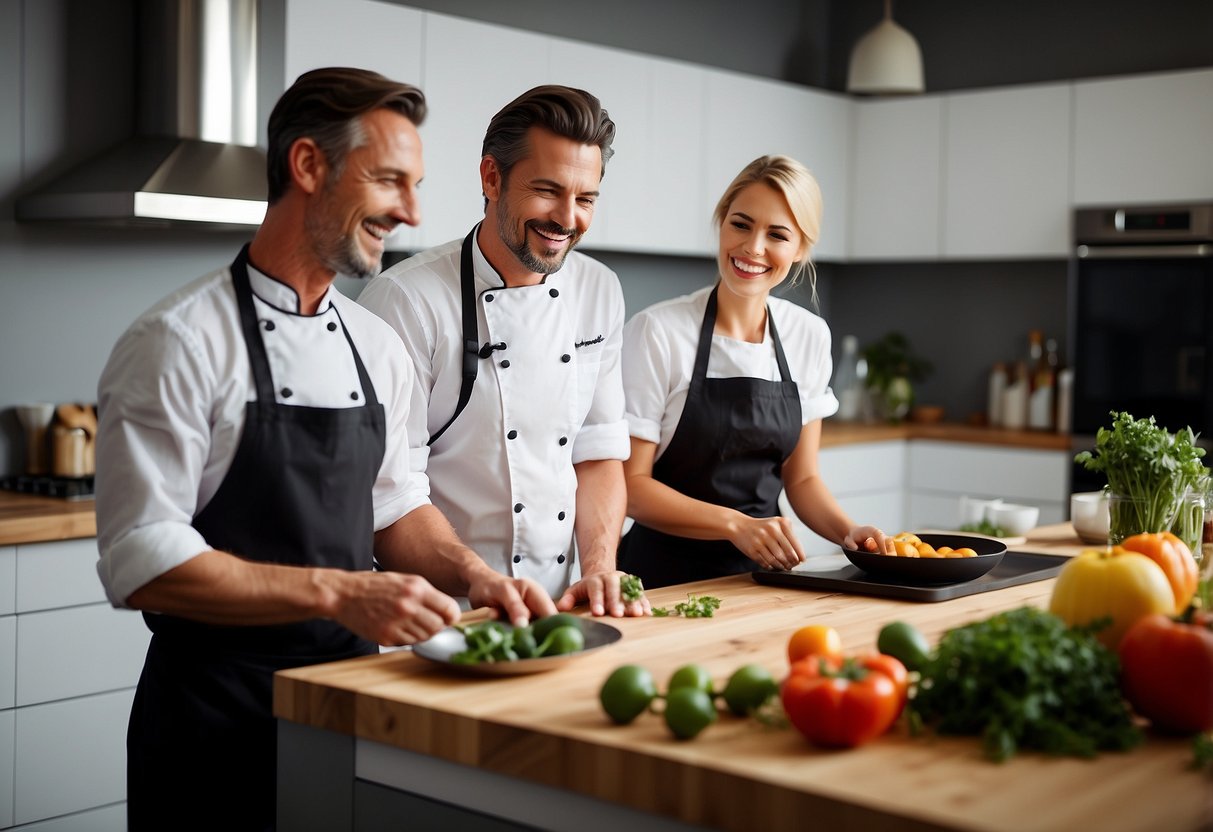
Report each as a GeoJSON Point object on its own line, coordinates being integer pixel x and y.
{"type": "Point", "coordinates": [66, 91]}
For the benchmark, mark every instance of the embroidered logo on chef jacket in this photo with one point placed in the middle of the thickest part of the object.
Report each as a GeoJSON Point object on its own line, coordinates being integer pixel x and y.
{"type": "Point", "coordinates": [537, 375]}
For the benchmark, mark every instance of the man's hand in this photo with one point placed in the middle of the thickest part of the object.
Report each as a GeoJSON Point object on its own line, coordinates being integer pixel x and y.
{"type": "Point", "coordinates": [391, 608]}
{"type": "Point", "coordinates": [515, 599]}
{"type": "Point", "coordinates": [604, 595]}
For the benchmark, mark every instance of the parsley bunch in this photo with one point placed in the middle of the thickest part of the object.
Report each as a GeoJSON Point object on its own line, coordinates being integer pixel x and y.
{"type": "Point", "coordinates": [1147, 464]}
{"type": "Point", "coordinates": [1022, 679]}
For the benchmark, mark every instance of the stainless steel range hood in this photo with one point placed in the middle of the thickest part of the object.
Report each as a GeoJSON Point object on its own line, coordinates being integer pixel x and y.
{"type": "Point", "coordinates": [194, 161]}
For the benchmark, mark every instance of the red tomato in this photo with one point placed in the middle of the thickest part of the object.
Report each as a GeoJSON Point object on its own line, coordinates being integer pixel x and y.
{"type": "Point", "coordinates": [1166, 671]}
{"type": "Point", "coordinates": [842, 703]}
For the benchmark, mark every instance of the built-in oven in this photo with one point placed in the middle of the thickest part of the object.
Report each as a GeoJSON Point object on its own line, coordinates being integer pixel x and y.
{"type": "Point", "coordinates": [1141, 320]}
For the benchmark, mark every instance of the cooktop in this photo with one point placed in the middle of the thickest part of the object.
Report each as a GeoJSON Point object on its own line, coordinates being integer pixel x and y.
{"type": "Point", "coordinates": [66, 488]}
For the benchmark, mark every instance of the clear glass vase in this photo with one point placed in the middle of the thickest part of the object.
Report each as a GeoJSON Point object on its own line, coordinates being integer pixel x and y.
{"type": "Point", "coordinates": [1128, 516]}
{"type": "Point", "coordinates": [1189, 522]}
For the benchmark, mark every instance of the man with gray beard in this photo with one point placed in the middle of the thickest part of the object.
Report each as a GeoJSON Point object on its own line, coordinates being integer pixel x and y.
{"type": "Point", "coordinates": [516, 340]}
{"type": "Point", "coordinates": [252, 466]}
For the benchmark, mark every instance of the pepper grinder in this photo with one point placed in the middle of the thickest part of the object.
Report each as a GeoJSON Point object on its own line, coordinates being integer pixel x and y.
{"type": "Point", "coordinates": [35, 418]}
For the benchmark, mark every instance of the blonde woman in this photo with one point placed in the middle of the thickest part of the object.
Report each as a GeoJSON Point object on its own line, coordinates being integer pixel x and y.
{"type": "Point", "coordinates": [726, 389]}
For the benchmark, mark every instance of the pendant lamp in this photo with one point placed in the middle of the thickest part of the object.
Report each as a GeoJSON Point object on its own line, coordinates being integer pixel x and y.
{"type": "Point", "coordinates": [885, 61]}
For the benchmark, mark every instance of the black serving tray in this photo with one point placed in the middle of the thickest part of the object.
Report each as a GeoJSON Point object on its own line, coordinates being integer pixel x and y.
{"type": "Point", "coordinates": [1015, 568]}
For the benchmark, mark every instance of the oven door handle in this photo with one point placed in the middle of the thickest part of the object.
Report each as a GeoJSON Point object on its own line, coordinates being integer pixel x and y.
{"type": "Point", "coordinates": [1153, 252]}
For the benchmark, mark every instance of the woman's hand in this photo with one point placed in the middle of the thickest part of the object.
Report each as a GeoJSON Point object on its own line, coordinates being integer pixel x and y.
{"type": "Point", "coordinates": [768, 541]}
{"type": "Point", "coordinates": [868, 539]}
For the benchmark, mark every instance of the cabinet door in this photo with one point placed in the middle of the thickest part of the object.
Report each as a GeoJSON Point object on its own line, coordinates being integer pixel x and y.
{"type": "Point", "coordinates": [8, 661]}
{"type": "Point", "coordinates": [896, 198]}
{"type": "Point", "coordinates": [749, 117]}
{"type": "Point", "coordinates": [78, 651]}
{"type": "Point", "coordinates": [472, 70]}
{"type": "Point", "coordinates": [678, 205]}
{"type": "Point", "coordinates": [1010, 473]}
{"type": "Point", "coordinates": [623, 83]}
{"type": "Point", "coordinates": [7, 761]}
{"type": "Point", "coordinates": [70, 756]}
{"type": "Point", "coordinates": [62, 573]}
{"type": "Point", "coordinates": [1007, 173]}
{"type": "Point", "coordinates": [1143, 138]}
{"type": "Point", "coordinates": [382, 37]}
{"type": "Point", "coordinates": [8, 580]}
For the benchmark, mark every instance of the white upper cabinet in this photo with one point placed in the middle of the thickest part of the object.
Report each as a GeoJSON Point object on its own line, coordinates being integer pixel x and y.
{"type": "Point", "coordinates": [895, 207]}
{"type": "Point", "coordinates": [1007, 173]}
{"type": "Point", "coordinates": [472, 70]}
{"type": "Point", "coordinates": [623, 83]}
{"type": "Point", "coordinates": [381, 37]}
{"type": "Point", "coordinates": [1144, 138]}
{"type": "Point", "coordinates": [750, 117]}
{"type": "Point", "coordinates": [678, 205]}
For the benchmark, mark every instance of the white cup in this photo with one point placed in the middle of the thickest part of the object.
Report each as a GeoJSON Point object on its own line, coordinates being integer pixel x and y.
{"type": "Point", "coordinates": [974, 511]}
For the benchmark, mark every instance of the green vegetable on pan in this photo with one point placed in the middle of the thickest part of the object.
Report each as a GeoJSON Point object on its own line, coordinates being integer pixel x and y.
{"type": "Point", "coordinates": [1022, 679]}
{"type": "Point", "coordinates": [493, 641]}
{"type": "Point", "coordinates": [703, 606]}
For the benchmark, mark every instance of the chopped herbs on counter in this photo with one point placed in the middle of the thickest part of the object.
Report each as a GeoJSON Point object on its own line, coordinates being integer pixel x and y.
{"type": "Point", "coordinates": [703, 606]}
{"type": "Point", "coordinates": [631, 587]}
{"type": "Point", "coordinates": [1022, 679]}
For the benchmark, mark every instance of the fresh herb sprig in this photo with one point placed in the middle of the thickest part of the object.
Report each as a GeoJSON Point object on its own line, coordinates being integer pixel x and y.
{"type": "Point", "coordinates": [984, 527]}
{"type": "Point", "coordinates": [1147, 464]}
{"type": "Point", "coordinates": [702, 606]}
{"type": "Point", "coordinates": [1022, 679]}
{"type": "Point", "coordinates": [631, 587]}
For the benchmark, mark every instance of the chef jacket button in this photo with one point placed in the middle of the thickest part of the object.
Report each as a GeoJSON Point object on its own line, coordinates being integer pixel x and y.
{"type": "Point", "coordinates": [332, 326]}
{"type": "Point", "coordinates": [269, 326]}
{"type": "Point", "coordinates": [512, 435]}
{"type": "Point", "coordinates": [287, 392]}
{"type": "Point", "coordinates": [560, 516]}
{"type": "Point", "coordinates": [505, 362]}
{"type": "Point", "coordinates": [517, 507]}
{"type": "Point", "coordinates": [560, 559]}
{"type": "Point", "coordinates": [517, 558]}
{"type": "Point", "coordinates": [554, 292]}
{"type": "Point", "coordinates": [488, 298]}
{"type": "Point", "coordinates": [564, 440]}
{"type": "Point", "coordinates": [354, 395]}
{"type": "Point", "coordinates": [566, 358]}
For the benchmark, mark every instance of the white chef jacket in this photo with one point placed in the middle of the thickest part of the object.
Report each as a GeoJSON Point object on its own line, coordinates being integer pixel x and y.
{"type": "Point", "coordinates": [172, 404]}
{"type": "Point", "coordinates": [503, 472]}
{"type": "Point", "coordinates": [659, 347]}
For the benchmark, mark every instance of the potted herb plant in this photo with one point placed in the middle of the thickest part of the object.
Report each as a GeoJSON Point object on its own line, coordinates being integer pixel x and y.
{"type": "Point", "coordinates": [1151, 474]}
{"type": "Point", "coordinates": [893, 367]}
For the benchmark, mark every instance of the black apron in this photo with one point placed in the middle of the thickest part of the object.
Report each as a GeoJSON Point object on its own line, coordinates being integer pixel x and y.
{"type": "Point", "coordinates": [728, 449]}
{"type": "Point", "coordinates": [201, 748]}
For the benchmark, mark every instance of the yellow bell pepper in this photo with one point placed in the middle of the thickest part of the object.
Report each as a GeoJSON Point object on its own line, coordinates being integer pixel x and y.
{"type": "Point", "coordinates": [1110, 583]}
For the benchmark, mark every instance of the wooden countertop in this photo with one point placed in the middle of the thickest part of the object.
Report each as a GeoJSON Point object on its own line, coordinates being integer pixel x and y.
{"type": "Point", "coordinates": [737, 775]}
{"type": "Point", "coordinates": [26, 518]}
{"type": "Point", "coordinates": [834, 434]}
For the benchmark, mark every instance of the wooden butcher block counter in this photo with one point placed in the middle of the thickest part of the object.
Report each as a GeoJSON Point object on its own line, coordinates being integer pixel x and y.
{"type": "Point", "coordinates": [548, 729]}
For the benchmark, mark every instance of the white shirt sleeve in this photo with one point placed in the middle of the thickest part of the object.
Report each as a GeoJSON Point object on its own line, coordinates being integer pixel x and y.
{"type": "Point", "coordinates": [647, 363]}
{"type": "Point", "coordinates": [604, 433]}
{"type": "Point", "coordinates": [153, 440]}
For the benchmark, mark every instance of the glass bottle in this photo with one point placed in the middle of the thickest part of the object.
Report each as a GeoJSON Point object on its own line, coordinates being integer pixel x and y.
{"type": "Point", "coordinates": [848, 386]}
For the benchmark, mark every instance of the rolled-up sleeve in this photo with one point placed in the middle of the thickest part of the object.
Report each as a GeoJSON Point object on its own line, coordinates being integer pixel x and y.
{"type": "Point", "coordinates": [604, 433]}
{"type": "Point", "coordinates": [646, 368]}
{"type": "Point", "coordinates": [402, 484]}
{"type": "Point", "coordinates": [152, 442]}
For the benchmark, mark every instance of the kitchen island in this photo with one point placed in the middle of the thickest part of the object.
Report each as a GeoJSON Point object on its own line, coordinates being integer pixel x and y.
{"type": "Point", "coordinates": [392, 736]}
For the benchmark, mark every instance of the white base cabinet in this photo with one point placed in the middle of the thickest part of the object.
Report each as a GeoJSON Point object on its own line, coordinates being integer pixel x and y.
{"type": "Point", "coordinates": [69, 663]}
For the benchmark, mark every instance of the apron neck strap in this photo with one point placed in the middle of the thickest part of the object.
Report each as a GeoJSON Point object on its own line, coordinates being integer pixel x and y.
{"type": "Point", "coordinates": [705, 341]}
{"type": "Point", "coordinates": [258, 358]}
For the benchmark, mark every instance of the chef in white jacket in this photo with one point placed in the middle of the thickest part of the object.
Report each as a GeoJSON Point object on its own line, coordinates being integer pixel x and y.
{"type": "Point", "coordinates": [519, 423]}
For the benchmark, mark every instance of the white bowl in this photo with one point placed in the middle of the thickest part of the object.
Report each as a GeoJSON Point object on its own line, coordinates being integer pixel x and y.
{"type": "Point", "coordinates": [1089, 515]}
{"type": "Point", "coordinates": [1015, 520]}
{"type": "Point", "coordinates": [974, 511]}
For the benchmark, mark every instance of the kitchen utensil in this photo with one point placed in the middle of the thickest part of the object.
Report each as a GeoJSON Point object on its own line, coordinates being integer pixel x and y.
{"type": "Point", "coordinates": [34, 420]}
{"type": "Point", "coordinates": [450, 641]}
{"type": "Point", "coordinates": [934, 570]}
{"type": "Point", "coordinates": [1015, 520]}
{"type": "Point", "coordinates": [1015, 568]}
{"type": "Point", "coordinates": [73, 435]}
